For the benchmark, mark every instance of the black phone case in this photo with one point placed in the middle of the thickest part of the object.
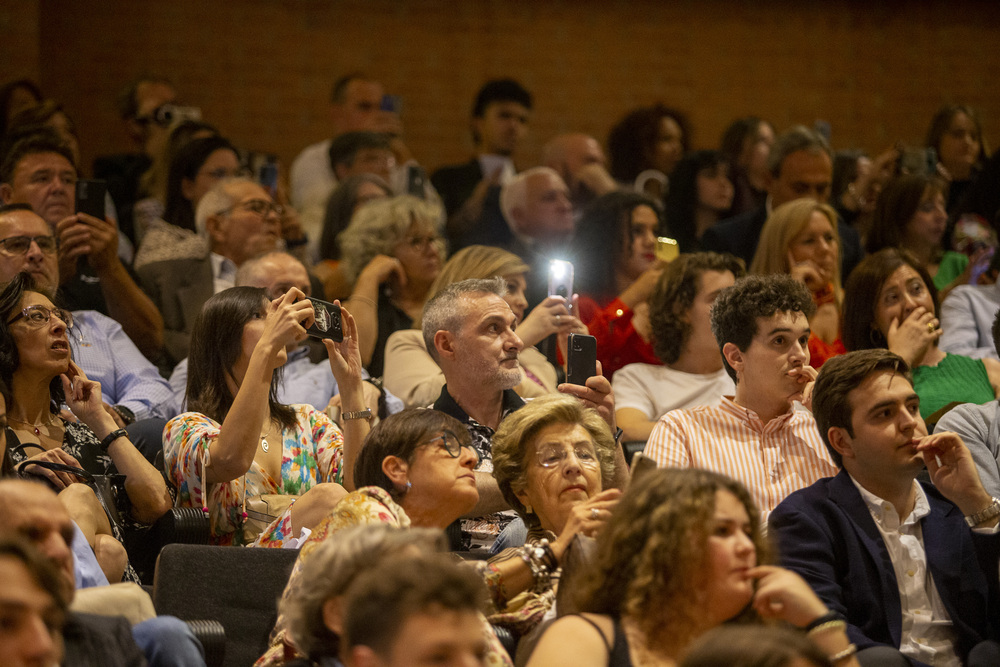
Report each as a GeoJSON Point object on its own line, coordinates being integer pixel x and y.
{"type": "Point", "coordinates": [581, 358]}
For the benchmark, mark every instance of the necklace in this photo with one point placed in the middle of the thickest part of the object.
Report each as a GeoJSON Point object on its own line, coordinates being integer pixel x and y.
{"type": "Point", "coordinates": [33, 425]}
{"type": "Point", "coordinates": [263, 438]}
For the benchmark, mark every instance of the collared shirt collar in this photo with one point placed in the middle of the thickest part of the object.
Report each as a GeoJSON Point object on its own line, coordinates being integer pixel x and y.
{"type": "Point", "coordinates": [223, 271]}
{"type": "Point", "coordinates": [730, 405]}
{"type": "Point", "coordinates": [885, 513]}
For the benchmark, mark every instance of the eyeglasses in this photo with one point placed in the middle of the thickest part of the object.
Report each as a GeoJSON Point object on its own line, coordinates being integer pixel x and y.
{"type": "Point", "coordinates": [39, 315]}
{"type": "Point", "coordinates": [19, 245]}
{"type": "Point", "coordinates": [422, 242]}
{"type": "Point", "coordinates": [224, 172]}
{"type": "Point", "coordinates": [551, 456]}
{"type": "Point", "coordinates": [451, 444]}
{"type": "Point", "coordinates": [260, 207]}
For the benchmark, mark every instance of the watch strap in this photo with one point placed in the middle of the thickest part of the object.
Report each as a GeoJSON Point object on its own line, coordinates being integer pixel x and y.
{"type": "Point", "coordinates": [111, 437]}
{"type": "Point", "coordinates": [982, 516]}
{"type": "Point", "coordinates": [357, 414]}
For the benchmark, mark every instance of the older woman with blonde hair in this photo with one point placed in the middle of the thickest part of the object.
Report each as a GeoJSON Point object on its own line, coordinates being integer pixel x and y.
{"type": "Point", "coordinates": [681, 554]}
{"type": "Point", "coordinates": [392, 251]}
{"type": "Point", "coordinates": [413, 375]}
{"type": "Point", "coordinates": [800, 238]}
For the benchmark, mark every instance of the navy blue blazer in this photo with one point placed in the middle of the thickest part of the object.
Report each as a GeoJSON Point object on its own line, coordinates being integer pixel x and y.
{"type": "Point", "coordinates": [825, 533]}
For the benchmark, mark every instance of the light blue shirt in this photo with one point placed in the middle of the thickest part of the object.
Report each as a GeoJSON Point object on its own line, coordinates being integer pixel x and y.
{"type": "Point", "coordinates": [967, 321]}
{"type": "Point", "coordinates": [107, 355]}
{"type": "Point", "coordinates": [86, 569]}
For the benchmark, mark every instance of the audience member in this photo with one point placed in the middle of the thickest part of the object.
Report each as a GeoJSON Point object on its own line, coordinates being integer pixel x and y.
{"type": "Point", "coordinates": [414, 470]}
{"type": "Point", "coordinates": [239, 220]}
{"type": "Point", "coordinates": [746, 145]}
{"type": "Point", "coordinates": [967, 315]}
{"type": "Point", "coordinates": [757, 436]}
{"type": "Point", "coordinates": [956, 135]}
{"type": "Point", "coordinates": [894, 557]}
{"type": "Point", "coordinates": [413, 374]}
{"type": "Point", "coordinates": [580, 161]}
{"type": "Point", "coordinates": [890, 302]}
{"type": "Point", "coordinates": [34, 606]}
{"type": "Point", "coordinates": [51, 114]}
{"type": "Point", "coordinates": [31, 512]}
{"type": "Point", "coordinates": [195, 169]}
{"type": "Point", "coordinates": [800, 239]}
{"type": "Point", "coordinates": [692, 372]}
{"type": "Point", "coordinates": [414, 610]}
{"type": "Point", "coordinates": [979, 428]}
{"type": "Point", "coordinates": [857, 183]}
{"type": "Point", "coordinates": [35, 364]}
{"type": "Point", "coordinates": [646, 145]}
{"type": "Point", "coordinates": [799, 165]}
{"type": "Point", "coordinates": [700, 195]}
{"type": "Point", "coordinates": [910, 215]}
{"type": "Point", "coordinates": [239, 444]}
{"type": "Point", "coordinates": [682, 554]}
{"type": "Point", "coordinates": [616, 269]}
{"type": "Point", "coordinates": [392, 253]}
{"type": "Point", "coordinates": [499, 124]}
{"type": "Point", "coordinates": [39, 171]}
{"type": "Point", "coordinates": [14, 96]}
{"type": "Point", "coordinates": [755, 646]}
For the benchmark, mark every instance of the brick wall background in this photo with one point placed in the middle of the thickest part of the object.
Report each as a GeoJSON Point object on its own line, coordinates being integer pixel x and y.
{"type": "Point", "coordinates": [261, 69]}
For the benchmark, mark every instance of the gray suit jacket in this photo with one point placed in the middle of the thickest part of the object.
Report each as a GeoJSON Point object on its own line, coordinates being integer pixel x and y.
{"type": "Point", "coordinates": [179, 288]}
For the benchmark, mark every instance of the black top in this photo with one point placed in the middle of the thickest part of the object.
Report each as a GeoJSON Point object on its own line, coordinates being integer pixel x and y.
{"type": "Point", "coordinates": [618, 655]}
{"type": "Point", "coordinates": [390, 320]}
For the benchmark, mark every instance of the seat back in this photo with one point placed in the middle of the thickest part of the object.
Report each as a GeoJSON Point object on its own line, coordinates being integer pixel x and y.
{"type": "Point", "coordinates": [237, 586]}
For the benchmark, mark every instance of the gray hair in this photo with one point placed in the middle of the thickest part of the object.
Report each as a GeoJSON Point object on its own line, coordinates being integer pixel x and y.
{"type": "Point", "coordinates": [514, 193]}
{"type": "Point", "coordinates": [797, 138]}
{"type": "Point", "coordinates": [442, 311]}
{"type": "Point", "coordinates": [331, 568]}
{"type": "Point", "coordinates": [379, 225]}
{"type": "Point", "coordinates": [249, 273]}
{"type": "Point", "coordinates": [216, 200]}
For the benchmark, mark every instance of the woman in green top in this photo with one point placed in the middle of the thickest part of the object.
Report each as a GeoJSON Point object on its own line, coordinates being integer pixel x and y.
{"type": "Point", "coordinates": [891, 302]}
{"type": "Point", "coordinates": [910, 214]}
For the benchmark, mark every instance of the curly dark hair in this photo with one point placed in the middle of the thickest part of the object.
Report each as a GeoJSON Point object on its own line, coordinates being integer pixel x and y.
{"type": "Point", "coordinates": [651, 555]}
{"type": "Point", "coordinates": [735, 313]}
{"type": "Point", "coordinates": [674, 295]}
{"type": "Point", "coordinates": [858, 330]}
{"type": "Point", "coordinates": [630, 140]}
{"type": "Point", "coordinates": [10, 360]}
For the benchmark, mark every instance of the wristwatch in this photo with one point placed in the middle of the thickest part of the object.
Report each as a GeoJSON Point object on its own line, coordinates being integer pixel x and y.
{"type": "Point", "coordinates": [982, 516]}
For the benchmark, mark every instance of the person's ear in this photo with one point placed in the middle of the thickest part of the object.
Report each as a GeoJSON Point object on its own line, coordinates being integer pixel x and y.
{"type": "Point", "coordinates": [444, 342]}
{"type": "Point", "coordinates": [6, 192]}
{"type": "Point", "coordinates": [397, 470]}
{"type": "Point", "coordinates": [841, 441]}
{"type": "Point", "coordinates": [333, 615]}
{"type": "Point", "coordinates": [342, 171]}
{"type": "Point", "coordinates": [215, 226]}
{"type": "Point", "coordinates": [734, 357]}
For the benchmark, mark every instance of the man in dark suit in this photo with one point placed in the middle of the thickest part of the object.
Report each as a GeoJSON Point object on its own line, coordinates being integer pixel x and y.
{"type": "Point", "coordinates": [800, 165]}
{"type": "Point", "coordinates": [241, 221]}
{"type": "Point", "coordinates": [469, 191]}
{"type": "Point", "coordinates": [908, 565]}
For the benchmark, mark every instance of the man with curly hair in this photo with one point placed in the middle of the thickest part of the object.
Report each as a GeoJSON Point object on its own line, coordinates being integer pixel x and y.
{"type": "Point", "coordinates": [692, 373]}
{"type": "Point", "coordinates": [757, 436]}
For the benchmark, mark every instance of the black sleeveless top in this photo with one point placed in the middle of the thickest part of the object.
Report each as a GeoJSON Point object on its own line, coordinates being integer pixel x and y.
{"type": "Point", "coordinates": [618, 655]}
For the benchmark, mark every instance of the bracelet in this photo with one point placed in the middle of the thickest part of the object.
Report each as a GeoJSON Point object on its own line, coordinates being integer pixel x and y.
{"type": "Point", "coordinates": [111, 437]}
{"type": "Point", "coordinates": [846, 653]}
{"type": "Point", "coordinates": [357, 414]}
{"type": "Point", "coordinates": [821, 620]}
{"type": "Point", "coordinates": [982, 516]}
{"type": "Point", "coordinates": [534, 557]}
{"type": "Point", "coordinates": [125, 413]}
{"type": "Point", "coordinates": [364, 299]}
{"type": "Point", "coordinates": [829, 625]}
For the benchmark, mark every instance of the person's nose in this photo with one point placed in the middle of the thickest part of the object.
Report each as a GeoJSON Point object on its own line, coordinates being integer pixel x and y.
{"type": "Point", "coordinates": [34, 251]}
{"type": "Point", "coordinates": [514, 341]}
{"type": "Point", "coordinates": [467, 457]}
{"type": "Point", "coordinates": [744, 544]}
{"type": "Point", "coordinates": [800, 352]}
{"type": "Point", "coordinates": [38, 642]}
{"type": "Point", "coordinates": [564, 202]}
{"type": "Point", "coordinates": [571, 464]}
{"type": "Point", "coordinates": [909, 305]}
{"type": "Point", "coordinates": [56, 324]}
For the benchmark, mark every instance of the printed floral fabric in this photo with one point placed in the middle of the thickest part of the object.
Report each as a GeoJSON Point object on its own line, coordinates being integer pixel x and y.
{"type": "Point", "coordinates": [366, 506]}
{"type": "Point", "coordinates": [312, 452]}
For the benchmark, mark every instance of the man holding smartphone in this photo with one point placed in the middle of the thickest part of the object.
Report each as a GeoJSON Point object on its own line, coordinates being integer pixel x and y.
{"type": "Point", "coordinates": [38, 170]}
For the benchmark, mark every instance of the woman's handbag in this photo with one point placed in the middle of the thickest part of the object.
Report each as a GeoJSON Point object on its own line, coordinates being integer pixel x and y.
{"type": "Point", "coordinates": [109, 489]}
{"type": "Point", "coordinates": [262, 510]}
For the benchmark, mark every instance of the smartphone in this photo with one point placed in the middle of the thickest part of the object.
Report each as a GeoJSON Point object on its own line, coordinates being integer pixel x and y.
{"type": "Point", "coordinates": [667, 250]}
{"type": "Point", "coordinates": [641, 464]}
{"type": "Point", "coordinates": [390, 103]}
{"type": "Point", "coordinates": [267, 175]}
{"type": "Point", "coordinates": [581, 358]}
{"type": "Point", "coordinates": [561, 281]}
{"type": "Point", "coordinates": [416, 179]}
{"type": "Point", "coordinates": [328, 323]}
{"type": "Point", "coordinates": [90, 197]}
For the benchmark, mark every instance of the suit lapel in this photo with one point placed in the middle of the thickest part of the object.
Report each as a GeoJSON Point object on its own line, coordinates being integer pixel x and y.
{"type": "Point", "coordinates": [195, 291]}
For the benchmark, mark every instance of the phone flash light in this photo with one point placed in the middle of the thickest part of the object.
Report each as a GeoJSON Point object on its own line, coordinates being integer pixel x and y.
{"type": "Point", "coordinates": [557, 267]}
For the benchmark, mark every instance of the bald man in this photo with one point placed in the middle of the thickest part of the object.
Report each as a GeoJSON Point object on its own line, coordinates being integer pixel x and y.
{"type": "Point", "coordinates": [580, 161]}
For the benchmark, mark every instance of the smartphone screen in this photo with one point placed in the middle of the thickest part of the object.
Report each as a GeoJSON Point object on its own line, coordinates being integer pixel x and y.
{"type": "Point", "coordinates": [561, 281]}
{"type": "Point", "coordinates": [90, 196]}
{"type": "Point", "coordinates": [328, 322]}
{"type": "Point", "coordinates": [667, 250]}
{"type": "Point", "coordinates": [581, 358]}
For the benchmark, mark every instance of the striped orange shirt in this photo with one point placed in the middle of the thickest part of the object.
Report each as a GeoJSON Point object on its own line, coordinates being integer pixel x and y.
{"type": "Point", "coordinates": [772, 460]}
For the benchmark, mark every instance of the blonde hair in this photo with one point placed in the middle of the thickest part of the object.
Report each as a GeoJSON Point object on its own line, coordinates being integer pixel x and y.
{"type": "Point", "coordinates": [782, 226]}
{"type": "Point", "coordinates": [378, 226]}
{"type": "Point", "coordinates": [476, 262]}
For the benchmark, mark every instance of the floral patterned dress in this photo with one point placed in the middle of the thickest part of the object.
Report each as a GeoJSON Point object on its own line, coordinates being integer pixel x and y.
{"type": "Point", "coordinates": [312, 452]}
{"type": "Point", "coordinates": [367, 506]}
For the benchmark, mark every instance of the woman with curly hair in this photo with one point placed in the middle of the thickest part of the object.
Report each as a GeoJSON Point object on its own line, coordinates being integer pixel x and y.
{"type": "Point", "coordinates": [648, 142]}
{"type": "Point", "coordinates": [680, 555]}
{"type": "Point", "coordinates": [392, 251]}
{"type": "Point", "coordinates": [692, 373]}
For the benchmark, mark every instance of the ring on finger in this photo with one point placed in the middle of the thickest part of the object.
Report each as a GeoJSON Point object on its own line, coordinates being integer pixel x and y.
{"type": "Point", "coordinates": [931, 328]}
{"type": "Point", "coordinates": [594, 513]}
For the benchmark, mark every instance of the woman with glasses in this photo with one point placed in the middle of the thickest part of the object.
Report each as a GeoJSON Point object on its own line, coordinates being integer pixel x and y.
{"type": "Point", "coordinates": [35, 364]}
{"type": "Point", "coordinates": [392, 251]}
{"type": "Point", "coordinates": [262, 471]}
{"type": "Point", "coordinates": [195, 168]}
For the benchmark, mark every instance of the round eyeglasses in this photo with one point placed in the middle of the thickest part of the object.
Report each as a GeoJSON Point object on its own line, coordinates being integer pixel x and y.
{"type": "Point", "coordinates": [260, 207]}
{"type": "Point", "coordinates": [39, 315]}
{"type": "Point", "coordinates": [551, 456]}
{"type": "Point", "coordinates": [451, 444]}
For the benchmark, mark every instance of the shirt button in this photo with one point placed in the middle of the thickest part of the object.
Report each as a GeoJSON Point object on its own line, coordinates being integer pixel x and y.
{"type": "Point", "coordinates": [909, 573]}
